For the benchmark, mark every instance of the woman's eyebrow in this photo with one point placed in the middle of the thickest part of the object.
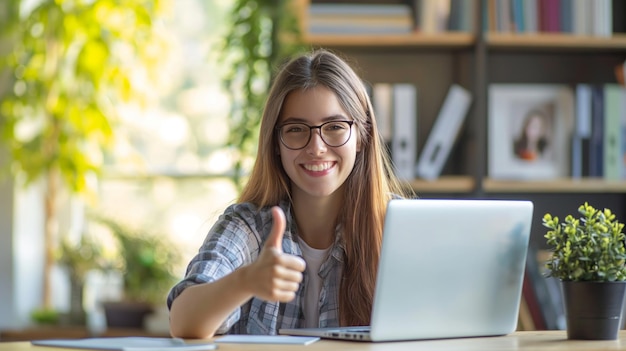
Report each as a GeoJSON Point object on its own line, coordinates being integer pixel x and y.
{"type": "Point", "coordinates": [334, 117]}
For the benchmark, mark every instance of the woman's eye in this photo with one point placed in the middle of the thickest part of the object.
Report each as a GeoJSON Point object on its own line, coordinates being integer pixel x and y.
{"type": "Point", "coordinates": [295, 129]}
{"type": "Point", "coordinates": [334, 126]}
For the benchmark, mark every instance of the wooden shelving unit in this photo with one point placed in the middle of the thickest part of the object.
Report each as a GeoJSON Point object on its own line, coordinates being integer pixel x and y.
{"type": "Point", "coordinates": [565, 185]}
{"type": "Point", "coordinates": [476, 60]}
{"type": "Point", "coordinates": [456, 40]}
{"type": "Point", "coordinates": [555, 41]}
{"type": "Point", "coordinates": [445, 184]}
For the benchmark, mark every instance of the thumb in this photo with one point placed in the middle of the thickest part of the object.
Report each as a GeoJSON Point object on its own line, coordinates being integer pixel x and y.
{"type": "Point", "coordinates": [278, 229]}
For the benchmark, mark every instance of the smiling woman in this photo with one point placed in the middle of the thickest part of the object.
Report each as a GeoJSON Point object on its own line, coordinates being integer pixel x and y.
{"type": "Point", "coordinates": [318, 190]}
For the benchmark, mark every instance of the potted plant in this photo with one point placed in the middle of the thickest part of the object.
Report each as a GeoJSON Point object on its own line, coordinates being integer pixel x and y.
{"type": "Point", "coordinates": [79, 257]}
{"type": "Point", "coordinates": [146, 262]}
{"type": "Point", "coordinates": [588, 258]}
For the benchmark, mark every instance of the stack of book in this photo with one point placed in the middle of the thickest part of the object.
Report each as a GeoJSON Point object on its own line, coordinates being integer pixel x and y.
{"type": "Point", "coordinates": [371, 17]}
{"type": "Point", "coordinates": [359, 18]}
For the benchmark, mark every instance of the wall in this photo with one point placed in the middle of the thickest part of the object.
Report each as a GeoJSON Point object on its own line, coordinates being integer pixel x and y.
{"type": "Point", "coordinates": [7, 295]}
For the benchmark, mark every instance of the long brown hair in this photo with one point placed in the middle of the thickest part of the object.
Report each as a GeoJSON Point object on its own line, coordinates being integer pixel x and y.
{"type": "Point", "coordinates": [369, 187]}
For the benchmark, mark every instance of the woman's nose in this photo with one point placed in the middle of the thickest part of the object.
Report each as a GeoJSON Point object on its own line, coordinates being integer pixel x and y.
{"type": "Point", "coordinates": [316, 144]}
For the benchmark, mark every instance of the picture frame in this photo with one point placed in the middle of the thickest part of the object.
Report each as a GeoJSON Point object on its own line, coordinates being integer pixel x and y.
{"type": "Point", "coordinates": [530, 126]}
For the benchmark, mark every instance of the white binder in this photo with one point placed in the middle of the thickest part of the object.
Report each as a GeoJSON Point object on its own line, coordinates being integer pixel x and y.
{"type": "Point", "coordinates": [444, 132]}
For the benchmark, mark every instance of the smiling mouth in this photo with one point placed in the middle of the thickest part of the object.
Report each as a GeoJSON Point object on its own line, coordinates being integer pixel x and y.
{"type": "Point", "coordinates": [318, 167]}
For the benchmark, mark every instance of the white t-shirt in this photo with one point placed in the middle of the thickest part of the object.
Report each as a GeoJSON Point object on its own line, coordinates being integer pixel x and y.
{"type": "Point", "coordinates": [313, 285]}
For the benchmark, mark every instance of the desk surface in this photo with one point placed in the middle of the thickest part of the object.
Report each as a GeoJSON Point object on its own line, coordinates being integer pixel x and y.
{"type": "Point", "coordinates": [535, 340]}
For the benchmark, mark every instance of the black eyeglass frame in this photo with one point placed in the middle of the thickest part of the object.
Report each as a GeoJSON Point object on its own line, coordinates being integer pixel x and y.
{"type": "Point", "coordinates": [280, 135]}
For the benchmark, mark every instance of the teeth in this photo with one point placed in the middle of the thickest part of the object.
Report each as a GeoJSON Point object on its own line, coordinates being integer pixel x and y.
{"type": "Point", "coordinates": [318, 167]}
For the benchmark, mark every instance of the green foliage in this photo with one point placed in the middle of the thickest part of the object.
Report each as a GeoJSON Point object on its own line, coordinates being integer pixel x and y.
{"type": "Point", "coordinates": [263, 34]}
{"type": "Point", "coordinates": [589, 248]}
{"type": "Point", "coordinates": [45, 316]}
{"type": "Point", "coordinates": [146, 262]}
{"type": "Point", "coordinates": [82, 256]}
{"type": "Point", "coordinates": [67, 65]}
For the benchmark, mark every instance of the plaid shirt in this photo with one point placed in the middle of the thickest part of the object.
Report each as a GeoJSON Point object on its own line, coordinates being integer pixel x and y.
{"type": "Point", "coordinates": [235, 240]}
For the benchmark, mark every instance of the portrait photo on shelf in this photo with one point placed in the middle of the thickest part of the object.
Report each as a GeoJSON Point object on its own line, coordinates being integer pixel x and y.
{"type": "Point", "coordinates": [530, 127]}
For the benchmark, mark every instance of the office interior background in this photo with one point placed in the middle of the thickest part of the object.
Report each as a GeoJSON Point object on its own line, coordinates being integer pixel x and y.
{"type": "Point", "coordinates": [170, 170]}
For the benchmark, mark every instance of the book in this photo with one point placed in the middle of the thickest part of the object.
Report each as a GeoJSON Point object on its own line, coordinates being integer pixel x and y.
{"type": "Point", "coordinates": [518, 16]}
{"type": "Point", "coordinates": [531, 303]}
{"type": "Point", "coordinates": [602, 22]}
{"type": "Point", "coordinates": [582, 132]}
{"type": "Point", "coordinates": [582, 17]}
{"type": "Point", "coordinates": [612, 147]}
{"type": "Point", "coordinates": [525, 320]}
{"type": "Point", "coordinates": [404, 139]}
{"type": "Point", "coordinates": [503, 16]}
{"type": "Point", "coordinates": [596, 142]}
{"type": "Point", "coordinates": [530, 17]}
{"type": "Point", "coordinates": [545, 290]}
{"type": "Point", "coordinates": [433, 15]}
{"type": "Point", "coordinates": [567, 16]}
{"type": "Point", "coordinates": [382, 101]}
{"type": "Point", "coordinates": [444, 132]}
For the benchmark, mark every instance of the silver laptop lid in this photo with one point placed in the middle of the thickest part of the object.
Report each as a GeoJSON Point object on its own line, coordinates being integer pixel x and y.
{"type": "Point", "coordinates": [450, 268]}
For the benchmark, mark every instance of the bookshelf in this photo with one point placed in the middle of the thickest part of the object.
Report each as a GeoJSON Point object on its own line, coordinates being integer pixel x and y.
{"type": "Point", "coordinates": [475, 59]}
{"type": "Point", "coordinates": [415, 40]}
{"type": "Point", "coordinates": [556, 41]}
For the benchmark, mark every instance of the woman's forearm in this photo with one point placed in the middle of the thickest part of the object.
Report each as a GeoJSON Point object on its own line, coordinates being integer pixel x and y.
{"type": "Point", "coordinates": [199, 310]}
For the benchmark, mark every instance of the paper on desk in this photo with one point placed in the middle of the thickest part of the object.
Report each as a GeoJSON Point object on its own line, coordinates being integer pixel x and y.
{"type": "Point", "coordinates": [130, 343]}
{"type": "Point", "coordinates": [267, 339]}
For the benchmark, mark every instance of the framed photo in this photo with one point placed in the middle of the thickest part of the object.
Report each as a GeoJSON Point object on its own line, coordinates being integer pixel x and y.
{"type": "Point", "coordinates": [530, 127]}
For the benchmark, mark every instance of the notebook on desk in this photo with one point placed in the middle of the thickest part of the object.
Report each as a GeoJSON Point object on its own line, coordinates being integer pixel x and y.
{"type": "Point", "coordinates": [448, 269]}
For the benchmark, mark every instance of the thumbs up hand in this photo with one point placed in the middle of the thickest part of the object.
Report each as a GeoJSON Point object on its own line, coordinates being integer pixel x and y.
{"type": "Point", "coordinates": [275, 276]}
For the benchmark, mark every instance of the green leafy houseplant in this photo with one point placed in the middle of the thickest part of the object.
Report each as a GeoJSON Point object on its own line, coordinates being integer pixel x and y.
{"type": "Point", "coordinates": [588, 257]}
{"type": "Point", "coordinates": [146, 262]}
{"type": "Point", "coordinates": [261, 36]}
{"type": "Point", "coordinates": [589, 248]}
{"type": "Point", "coordinates": [79, 257]}
{"type": "Point", "coordinates": [64, 65]}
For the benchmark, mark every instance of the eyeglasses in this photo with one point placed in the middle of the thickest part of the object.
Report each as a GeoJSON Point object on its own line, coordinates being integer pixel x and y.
{"type": "Point", "coordinates": [296, 136]}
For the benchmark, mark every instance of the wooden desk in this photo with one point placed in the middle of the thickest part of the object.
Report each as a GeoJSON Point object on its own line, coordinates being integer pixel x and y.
{"type": "Point", "coordinates": [528, 340]}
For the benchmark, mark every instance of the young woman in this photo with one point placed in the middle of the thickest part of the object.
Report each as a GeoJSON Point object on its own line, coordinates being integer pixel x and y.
{"type": "Point", "coordinates": [532, 140]}
{"type": "Point", "coordinates": [301, 246]}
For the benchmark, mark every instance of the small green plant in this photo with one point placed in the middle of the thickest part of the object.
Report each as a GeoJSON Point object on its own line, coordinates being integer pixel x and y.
{"type": "Point", "coordinates": [146, 261]}
{"type": "Point", "coordinates": [589, 248]}
{"type": "Point", "coordinates": [45, 316]}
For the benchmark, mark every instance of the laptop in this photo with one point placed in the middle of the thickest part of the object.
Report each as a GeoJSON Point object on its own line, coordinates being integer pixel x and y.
{"type": "Point", "coordinates": [448, 269]}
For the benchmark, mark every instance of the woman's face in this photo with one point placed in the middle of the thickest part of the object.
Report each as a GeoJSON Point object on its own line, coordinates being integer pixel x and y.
{"type": "Point", "coordinates": [317, 170]}
{"type": "Point", "coordinates": [534, 129]}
